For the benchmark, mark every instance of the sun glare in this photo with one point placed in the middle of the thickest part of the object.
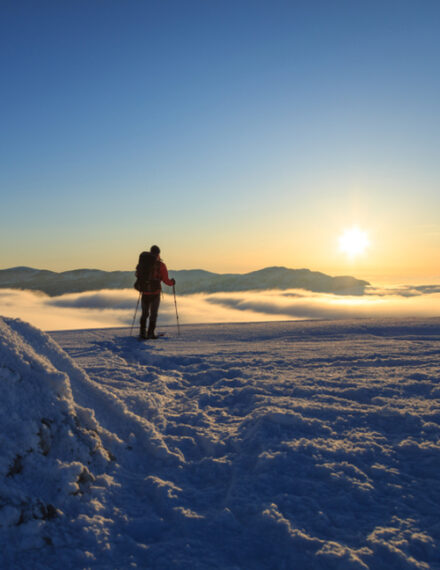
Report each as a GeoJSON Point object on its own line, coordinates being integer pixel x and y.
{"type": "Point", "coordinates": [354, 242]}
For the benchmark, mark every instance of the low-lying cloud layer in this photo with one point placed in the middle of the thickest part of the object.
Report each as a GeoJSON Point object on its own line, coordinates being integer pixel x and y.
{"type": "Point", "coordinates": [115, 308]}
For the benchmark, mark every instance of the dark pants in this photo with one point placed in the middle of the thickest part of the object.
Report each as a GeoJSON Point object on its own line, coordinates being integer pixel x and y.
{"type": "Point", "coordinates": [150, 308]}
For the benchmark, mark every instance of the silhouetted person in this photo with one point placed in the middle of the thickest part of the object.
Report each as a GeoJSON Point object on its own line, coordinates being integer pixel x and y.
{"type": "Point", "coordinates": [150, 272]}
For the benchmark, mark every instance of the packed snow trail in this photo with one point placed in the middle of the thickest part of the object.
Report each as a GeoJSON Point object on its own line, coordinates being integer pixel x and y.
{"type": "Point", "coordinates": [276, 445]}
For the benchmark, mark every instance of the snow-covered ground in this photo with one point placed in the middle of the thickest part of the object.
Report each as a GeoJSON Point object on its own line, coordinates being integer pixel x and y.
{"type": "Point", "coordinates": [289, 445]}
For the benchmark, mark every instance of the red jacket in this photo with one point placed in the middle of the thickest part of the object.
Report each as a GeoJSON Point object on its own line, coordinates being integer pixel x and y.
{"type": "Point", "coordinates": [160, 273]}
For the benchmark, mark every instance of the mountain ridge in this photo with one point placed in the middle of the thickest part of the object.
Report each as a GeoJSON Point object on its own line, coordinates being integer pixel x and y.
{"type": "Point", "coordinates": [188, 280]}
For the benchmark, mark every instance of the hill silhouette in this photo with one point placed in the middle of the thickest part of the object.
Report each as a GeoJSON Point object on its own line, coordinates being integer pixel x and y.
{"type": "Point", "coordinates": [188, 281]}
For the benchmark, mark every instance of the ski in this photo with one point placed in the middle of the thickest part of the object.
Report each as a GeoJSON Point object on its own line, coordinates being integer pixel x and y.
{"type": "Point", "coordinates": [158, 335]}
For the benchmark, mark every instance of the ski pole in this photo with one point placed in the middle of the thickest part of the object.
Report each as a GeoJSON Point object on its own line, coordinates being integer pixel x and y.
{"type": "Point", "coordinates": [177, 314]}
{"type": "Point", "coordinates": [135, 312]}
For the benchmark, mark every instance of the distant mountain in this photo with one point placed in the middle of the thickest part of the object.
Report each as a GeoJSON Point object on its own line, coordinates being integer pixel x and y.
{"type": "Point", "coordinates": [188, 281]}
{"type": "Point", "coordinates": [74, 281]}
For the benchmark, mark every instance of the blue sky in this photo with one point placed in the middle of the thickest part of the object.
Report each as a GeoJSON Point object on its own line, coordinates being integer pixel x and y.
{"type": "Point", "coordinates": [236, 135]}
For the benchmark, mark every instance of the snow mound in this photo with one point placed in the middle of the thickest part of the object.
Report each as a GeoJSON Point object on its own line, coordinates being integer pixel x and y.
{"type": "Point", "coordinates": [51, 452]}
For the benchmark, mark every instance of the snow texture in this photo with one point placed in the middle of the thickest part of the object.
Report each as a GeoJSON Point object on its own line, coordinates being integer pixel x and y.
{"type": "Point", "coordinates": [275, 445]}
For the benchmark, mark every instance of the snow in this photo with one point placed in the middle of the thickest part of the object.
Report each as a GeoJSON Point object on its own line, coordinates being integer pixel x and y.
{"type": "Point", "coordinates": [312, 444]}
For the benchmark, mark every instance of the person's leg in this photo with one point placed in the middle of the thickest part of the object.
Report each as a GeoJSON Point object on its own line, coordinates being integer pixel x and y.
{"type": "Point", "coordinates": [154, 309]}
{"type": "Point", "coordinates": [144, 315]}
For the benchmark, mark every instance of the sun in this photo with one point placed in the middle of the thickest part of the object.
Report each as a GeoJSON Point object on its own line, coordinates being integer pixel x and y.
{"type": "Point", "coordinates": [353, 242]}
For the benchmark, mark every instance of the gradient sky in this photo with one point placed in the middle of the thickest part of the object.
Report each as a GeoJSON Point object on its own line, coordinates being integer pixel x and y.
{"type": "Point", "coordinates": [236, 134]}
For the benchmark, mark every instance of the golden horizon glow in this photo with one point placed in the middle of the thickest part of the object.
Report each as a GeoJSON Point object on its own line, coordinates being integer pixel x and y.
{"type": "Point", "coordinates": [354, 242]}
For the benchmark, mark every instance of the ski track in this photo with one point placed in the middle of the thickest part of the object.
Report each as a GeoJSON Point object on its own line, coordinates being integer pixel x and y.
{"type": "Point", "coordinates": [255, 446]}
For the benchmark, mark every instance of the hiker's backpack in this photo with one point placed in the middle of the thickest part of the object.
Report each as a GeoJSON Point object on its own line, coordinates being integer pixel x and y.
{"type": "Point", "coordinates": [147, 273]}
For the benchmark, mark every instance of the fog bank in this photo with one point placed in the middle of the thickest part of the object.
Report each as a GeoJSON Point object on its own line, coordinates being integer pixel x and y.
{"type": "Point", "coordinates": [114, 308]}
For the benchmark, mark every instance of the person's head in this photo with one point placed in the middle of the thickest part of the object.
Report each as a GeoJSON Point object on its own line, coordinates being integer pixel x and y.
{"type": "Point", "coordinates": [155, 250]}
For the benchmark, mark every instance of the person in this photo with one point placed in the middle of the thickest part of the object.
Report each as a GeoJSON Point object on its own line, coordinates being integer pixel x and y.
{"type": "Point", "coordinates": [150, 272]}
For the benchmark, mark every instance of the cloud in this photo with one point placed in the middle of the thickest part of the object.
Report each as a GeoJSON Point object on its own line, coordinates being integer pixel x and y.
{"type": "Point", "coordinates": [45, 312]}
{"type": "Point", "coordinates": [306, 305]}
{"type": "Point", "coordinates": [403, 290]}
{"type": "Point", "coordinates": [109, 308]}
{"type": "Point", "coordinates": [105, 299]}
{"type": "Point", "coordinates": [115, 308]}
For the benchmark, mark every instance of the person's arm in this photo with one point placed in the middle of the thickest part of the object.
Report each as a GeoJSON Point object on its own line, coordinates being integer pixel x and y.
{"type": "Point", "coordinates": [164, 275]}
